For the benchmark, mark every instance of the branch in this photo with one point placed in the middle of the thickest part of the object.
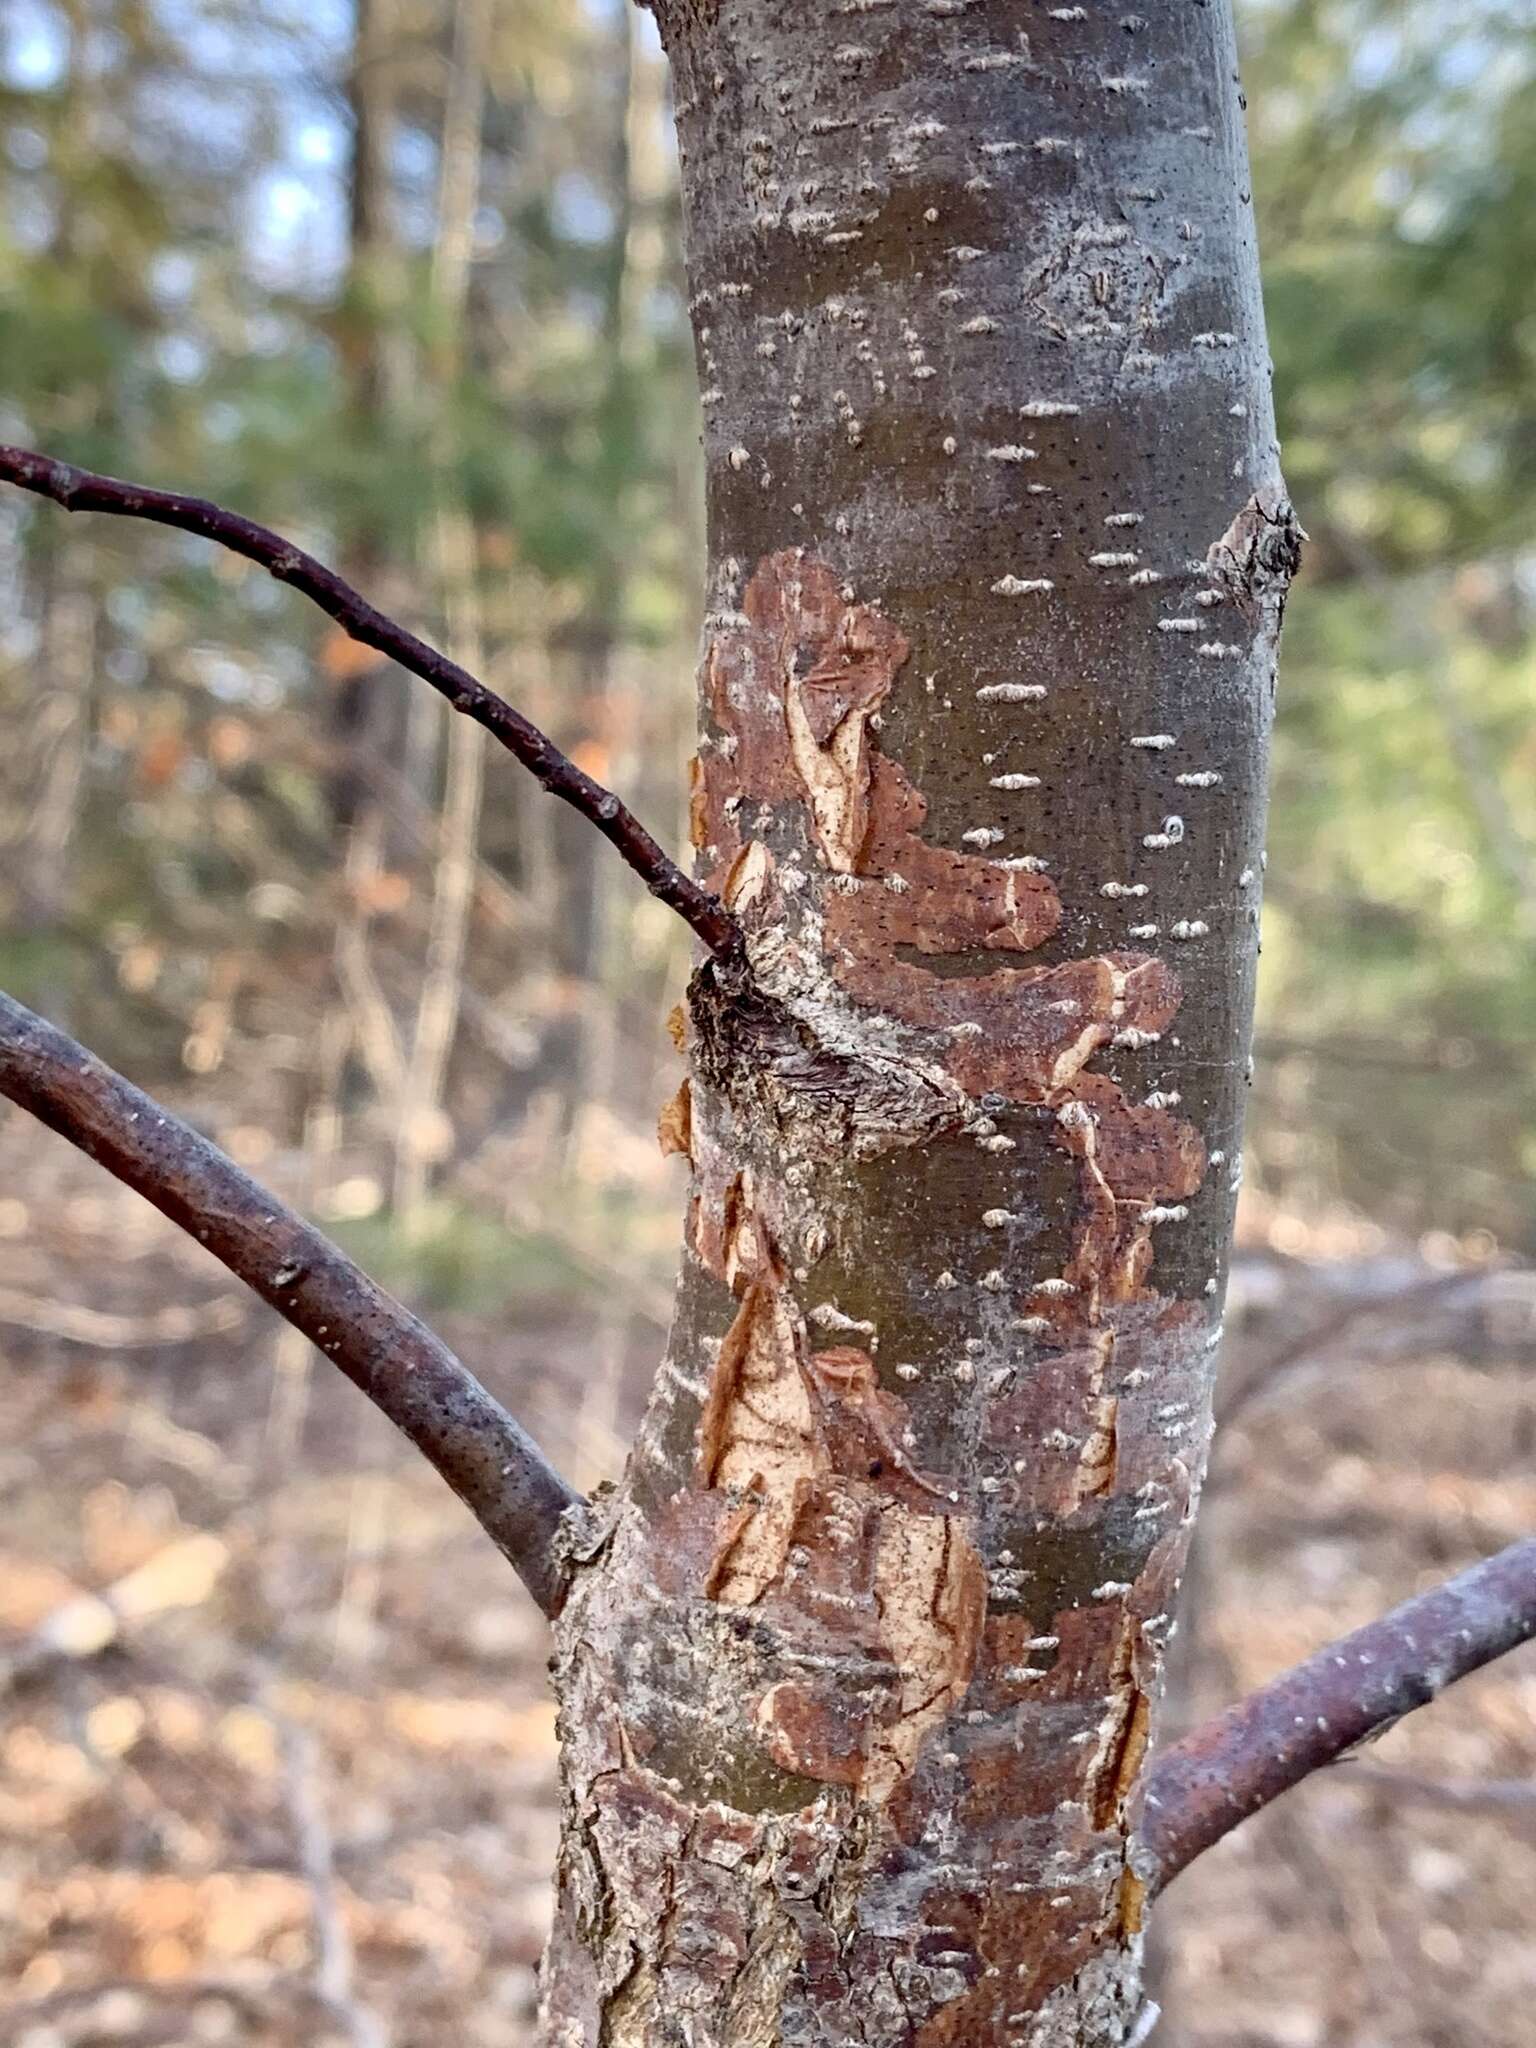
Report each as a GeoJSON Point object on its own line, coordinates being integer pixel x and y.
{"type": "Point", "coordinates": [492, 1465]}
{"type": "Point", "coordinates": [1204, 1785]}
{"type": "Point", "coordinates": [79, 490]}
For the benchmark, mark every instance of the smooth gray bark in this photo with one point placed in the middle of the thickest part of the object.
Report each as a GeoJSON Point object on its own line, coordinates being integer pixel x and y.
{"type": "Point", "coordinates": [858, 1671]}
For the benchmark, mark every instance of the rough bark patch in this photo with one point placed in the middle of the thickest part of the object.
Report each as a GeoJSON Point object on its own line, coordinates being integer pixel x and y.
{"type": "Point", "coordinates": [854, 1559]}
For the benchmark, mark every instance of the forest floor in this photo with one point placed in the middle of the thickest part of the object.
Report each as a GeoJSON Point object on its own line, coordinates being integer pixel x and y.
{"type": "Point", "coordinates": [306, 1792]}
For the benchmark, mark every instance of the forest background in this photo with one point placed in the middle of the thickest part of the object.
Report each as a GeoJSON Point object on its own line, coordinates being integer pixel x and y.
{"type": "Point", "coordinates": [403, 279]}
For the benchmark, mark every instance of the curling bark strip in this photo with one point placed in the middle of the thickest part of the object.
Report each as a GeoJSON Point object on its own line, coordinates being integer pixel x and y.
{"type": "Point", "coordinates": [859, 1667]}
{"type": "Point", "coordinates": [78, 490]}
{"type": "Point", "coordinates": [1205, 1785]}
{"type": "Point", "coordinates": [462, 1430]}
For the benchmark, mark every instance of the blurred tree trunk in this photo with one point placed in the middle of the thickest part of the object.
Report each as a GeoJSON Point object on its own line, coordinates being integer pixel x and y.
{"type": "Point", "coordinates": [61, 741]}
{"type": "Point", "coordinates": [423, 1134]}
{"type": "Point", "coordinates": [367, 722]}
{"type": "Point", "coordinates": [370, 701]}
{"type": "Point", "coordinates": [60, 730]}
{"type": "Point", "coordinates": [369, 705]}
{"type": "Point", "coordinates": [588, 939]}
{"type": "Point", "coordinates": [858, 1672]}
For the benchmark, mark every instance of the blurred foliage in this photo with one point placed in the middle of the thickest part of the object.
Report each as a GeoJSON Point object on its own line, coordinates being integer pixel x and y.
{"type": "Point", "coordinates": [184, 295]}
{"type": "Point", "coordinates": [1394, 150]}
{"type": "Point", "coordinates": [458, 1257]}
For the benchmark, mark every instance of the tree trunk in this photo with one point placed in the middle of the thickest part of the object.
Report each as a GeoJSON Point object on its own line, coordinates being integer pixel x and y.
{"type": "Point", "coordinates": [858, 1670]}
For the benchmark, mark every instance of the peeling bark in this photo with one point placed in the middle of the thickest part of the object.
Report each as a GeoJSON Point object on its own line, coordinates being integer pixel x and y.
{"type": "Point", "coordinates": [860, 1663]}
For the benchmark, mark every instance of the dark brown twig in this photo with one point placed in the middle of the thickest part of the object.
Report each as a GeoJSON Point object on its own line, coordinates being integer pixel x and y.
{"type": "Point", "coordinates": [492, 1465]}
{"type": "Point", "coordinates": [79, 490]}
{"type": "Point", "coordinates": [1218, 1774]}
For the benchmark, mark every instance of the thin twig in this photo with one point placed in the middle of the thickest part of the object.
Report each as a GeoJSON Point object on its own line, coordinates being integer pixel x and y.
{"type": "Point", "coordinates": [183, 1574]}
{"type": "Point", "coordinates": [491, 1464]}
{"type": "Point", "coordinates": [104, 1331]}
{"type": "Point", "coordinates": [80, 490]}
{"type": "Point", "coordinates": [251, 1999]}
{"type": "Point", "coordinates": [1145, 2025]}
{"type": "Point", "coordinates": [1348, 1692]}
{"type": "Point", "coordinates": [1464, 1795]}
{"type": "Point", "coordinates": [333, 1965]}
{"type": "Point", "coordinates": [1301, 1351]}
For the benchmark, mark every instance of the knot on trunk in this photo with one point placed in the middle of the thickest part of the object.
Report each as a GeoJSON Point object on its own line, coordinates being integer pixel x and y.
{"type": "Point", "coordinates": [828, 1078]}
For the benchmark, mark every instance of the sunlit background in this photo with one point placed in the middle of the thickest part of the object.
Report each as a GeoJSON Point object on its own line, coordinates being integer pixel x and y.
{"type": "Point", "coordinates": [403, 278]}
